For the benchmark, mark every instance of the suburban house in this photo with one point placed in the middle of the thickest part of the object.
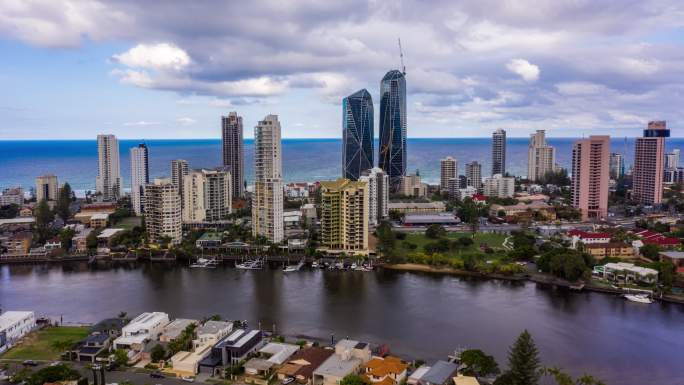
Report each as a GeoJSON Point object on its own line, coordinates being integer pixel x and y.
{"type": "Point", "coordinates": [187, 363]}
{"type": "Point", "coordinates": [174, 329]}
{"type": "Point", "coordinates": [349, 356]}
{"type": "Point", "coordinates": [441, 373]}
{"type": "Point", "coordinates": [14, 325]}
{"type": "Point", "coordinates": [388, 370]}
{"type": "Point", "coordinates": [19, 244]}
{"type": "Point", "coordinates": [142, 329]}
{"type": "Point", "coordinates": [465, 380]}
{"type": "Point", "coordinates": [211, 332]}
{"type": "Point", "coordinates": [587, 238]}
{"type": "Point", "coordinates": [258, 371]}
{"type": "Point", "coordinates": [623, 272]}
{"type": "Point", "coordinates": [231, 350]}
{"type": "Point", "coordinates": [417, 374]}
{"type": "Point", "coordinates": [277, 352]}
{"type": "Point", "coordinates": [303, 363]}
{"type": "Point", "coordinates": [109, 326]}
{"type": "Point", "coordinates": [92, 346]}
{"type": "Point", "coordinates": [675, 257]}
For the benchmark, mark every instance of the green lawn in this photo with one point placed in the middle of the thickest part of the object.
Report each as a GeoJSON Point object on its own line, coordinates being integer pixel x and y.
{"type": "Point", "coordinates": [492, 240]}
{"type": "Point", "coordinates": [128, 223]}
{"type": "Point", "coordinates": [38, 345]}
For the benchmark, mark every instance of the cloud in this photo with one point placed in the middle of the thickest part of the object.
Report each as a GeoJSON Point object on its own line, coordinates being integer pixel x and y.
{"type": "Point", "coordinates": [185, 121]}
{"type": "Point", "coordinates": [526, 70]}
{"type": "Point", "coordinates": [162, 56]}
{"type": "Point", "coordinates": [141, 123]}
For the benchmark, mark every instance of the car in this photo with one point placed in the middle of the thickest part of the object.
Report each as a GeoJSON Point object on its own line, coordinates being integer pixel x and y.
{"type": "Point", "coordinates": [55, 363]}
{"type": "Point", "coordinates": [156, 375]}
{"type": "Point", "coordinates": [97, 367]}
{"type": "Point", "coordinates": [111, 366]}
{"type": "Point", "coordinates": [287, 380]}
{"type": "Point", "coordinates": [188, 379]}
{"type": "Point", "coordinates": [29, 363]}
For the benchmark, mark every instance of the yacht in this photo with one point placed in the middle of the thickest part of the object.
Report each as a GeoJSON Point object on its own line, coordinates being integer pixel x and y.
{"type": "Point", "coordinates": [640, 298]}
{"type": "Point", "coordinates": [255, 264]}
{"type": "Point", "coordinates": [292, 268]}
{"type": "Point", "coordinates": [205, 263]}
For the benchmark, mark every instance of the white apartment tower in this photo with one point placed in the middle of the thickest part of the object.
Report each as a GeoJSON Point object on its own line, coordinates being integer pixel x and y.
{"type": "Point", "coordinates": [163, 211]}
{"type": "Point", "coordinates": [108, 182]}
{"type": "Point", "coordinates": [267, 202]}
{"type": "Point", "coordinates": [541, 157]}
{"type": "Point", "coordinates": [378, 194]}
{"type": "Point", "coordinates": [473, 172]}
{"type": "Point", "coordinates": [207, 196]}
{"type": "Point", "coordinates": [448, 168]}
{"type": "Point", "coordinates": [499, 186]}
{"type": "Point", "coordinates": [140, 177]}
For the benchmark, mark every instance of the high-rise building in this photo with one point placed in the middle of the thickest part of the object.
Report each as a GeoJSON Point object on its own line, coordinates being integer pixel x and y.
{"type": "Point", "coordinates": [12, 196]}
{"type": "Point", "coordinates": [163, 212]}
{"type": "Point", "coordinates": [233, 151]}
{"type": "Point", "coordinates": [108, 181]}
{"type": "Point", "coordinates": [541, 158]}
{"type": "Point", "coordinates": [499, 152]}
{"type": "Point", "coordinates": [207, 196]}
{"type": "Point", "coordinates": [462, 181]}
{"type": "Point", "coordinates": [179, 170]}
{"type": "Point", "coordinates": [392, 156]}
{"type": "Point", "coordinates": [672, 159]}
{"type": "Point", "coordinates": [411, 186]}
{"type": "Point", "coordinates": [617, 166]}
{"type": "Point", "coordinates": [47, 189]}
{"type": "Point", "coordinates": [473, 171]}
{"type": "Point", "coordinates": [140, 177]}
{"type": "Point", "coordinates": [499, 186]}
{"type": "Point", "coordinates": [344, 215]}
{"type": "Point", "coordinates": [267, 202]}
{"type": "Point", "coordinates": [357, 134]}
{"type": "Point", "coordinates": [448, 169]}
{"type": "Point", "coordinates": [590, 176]}
{"type": "Point", "coordinates": [647, 173]}
{"type": "Point", "coordinates": [378, 194]}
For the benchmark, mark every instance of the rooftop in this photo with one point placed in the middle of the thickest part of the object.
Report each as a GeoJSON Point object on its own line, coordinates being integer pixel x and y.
{"type": "Point", "coordinates": [630, 267]}
{"type": "Point", "coordinates": [238, 338]}
{"type": "Point", "coordinates": [430, 218]}
{"type": "Point", "coordinates": [337, 367]}
{"type": "Point", "coordinates": [211, 236]}
{"type": "Point", "coordinates": [10, 317]}
{"type": "Point", "coordinates": [100, 216]}
{"type": "Point", "coordinates": [176, 327]}
{"type": "Point", "coordinates": [415, 205]}
{"type": "Point", "coordinates": [279, 352]}
{"type": "Point", "coordinates": [213, 327]}
{"type": "Point", "coordinates": [146, 320]}
{"type": "Point", "coordinates": [305, 361]}
{"type": "Point", "coordinates": [673, 254]}
{"type": "Point", "coordinates": [108, 233]}
{"type": "Point", "coordinates": [15, 221]}
{"type": "Point", "coordinates": [440, 372]}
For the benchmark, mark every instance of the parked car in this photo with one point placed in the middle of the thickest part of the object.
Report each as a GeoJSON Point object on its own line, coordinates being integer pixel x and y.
{"type": "Point", "coordinates": [156, 375]}
{"type": "Point", "coordinates": [188, 379]}
{"type": "Point", "coordinates": [30, 363]}
{"type": "Point", "coordinates": [111, 366]}
{"type": "Point", "coordinates": [287, 380]}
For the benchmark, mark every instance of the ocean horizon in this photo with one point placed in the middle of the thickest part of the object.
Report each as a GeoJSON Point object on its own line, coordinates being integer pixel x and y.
{"type": "Point", "coordinates": [306, 159]}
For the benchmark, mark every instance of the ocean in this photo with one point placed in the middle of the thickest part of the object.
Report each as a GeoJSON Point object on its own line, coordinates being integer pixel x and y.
{"type": "Point", "coordinates": [75, 161]}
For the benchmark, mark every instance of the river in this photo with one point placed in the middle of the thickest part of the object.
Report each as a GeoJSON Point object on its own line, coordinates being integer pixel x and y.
{"type": "Point", "coordinates": [418, 315]}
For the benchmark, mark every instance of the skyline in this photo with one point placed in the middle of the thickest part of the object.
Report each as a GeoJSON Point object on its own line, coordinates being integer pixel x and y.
{"type": "Point", "coordinates": [116, 67]}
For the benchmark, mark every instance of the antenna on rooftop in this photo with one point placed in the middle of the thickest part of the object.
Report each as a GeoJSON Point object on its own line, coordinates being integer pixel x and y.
{"type": "Point", "coordinates": [401, 57]}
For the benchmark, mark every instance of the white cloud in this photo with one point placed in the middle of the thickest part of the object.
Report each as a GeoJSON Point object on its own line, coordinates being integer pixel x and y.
{"type": "Point", "coordinates": [162, 56]}
{"type": "Point", "coordinates": [185, 121]}
{"type": "Point", "coordinates": [580, 88]}
{"type": "Point", "coordinates": [526, 70]}
{"type": "Point", "coordinates": [141, 123]}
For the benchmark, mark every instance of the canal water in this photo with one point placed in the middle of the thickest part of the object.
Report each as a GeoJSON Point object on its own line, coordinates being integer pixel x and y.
{"type": "Point", "coordinates": [417, 315]}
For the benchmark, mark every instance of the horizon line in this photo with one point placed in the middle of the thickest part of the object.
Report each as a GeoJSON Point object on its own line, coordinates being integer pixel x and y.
{"type": "Point", "coordinates": [310, 138]}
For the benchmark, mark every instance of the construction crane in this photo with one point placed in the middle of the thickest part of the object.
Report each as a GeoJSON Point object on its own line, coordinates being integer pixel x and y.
{"type": "Point", "coordinates": [401, 57]}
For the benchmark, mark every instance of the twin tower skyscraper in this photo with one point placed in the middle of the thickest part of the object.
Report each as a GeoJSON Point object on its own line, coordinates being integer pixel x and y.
{"type": "Point", "coordinates": [357, 130]}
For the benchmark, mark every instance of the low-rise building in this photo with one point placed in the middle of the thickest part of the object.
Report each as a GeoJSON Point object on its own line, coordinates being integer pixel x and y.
{"type": "Point", "coordinates": [292, 219]}
{"type": "Point", "coordinates": [258, 371]}
{"type": "Point", "coordinates": [93, 346]}
{"type": "Point", "coordinates": [17, 224]}
{"type": "Point", "coordinates": [208, 240]}
{"type": "Point", "coordinates": [587, 238]}
{"type": "Point", "coordinates": [277, 352]}
{"type": "Point", "coordinates": [211, 332]}
{"type": "Point", "coordinates": [175, 328]}
{"type": "Point", "coordinates": [388, 370]}
{"type": "Point", "coordinates": [622, 272]}
{"type": "Point", "coordinates": [444, 219]}
{"type": "Point", "coordinates": [231, 350]}
{"type": "Point", "coordinates": [499, 186]}
{"type": "Point", "coordinates": [309, 212]}
{"type": "Point", "coordinates": [348, 358]}
{"type": "Point", "coordinates": [19, 244]}
{"type": "Point", "coordinates": [610, 250]}
{"type": "Point", "coordinates": [648, 237]}
{"type": "Point", "coordinates": [14, 325]}
{"type": "Point", "coordinates": [524, 211]}
{"type": "Point", "coordinates": [99, 220]}
{"type": "Point", "coordinates": [674, 257]}
{"type": "Point", "coordinates": [417, 374]}
{"type": "Point", "coordinates": [109, 326]}
{"type": "Point", "coordinates": [303, 363]}
{"type": "Point", "coordinates": [417, 207]}
{"type": "Point", "coordinates": [142, 329]}
{"type": "Point", "coordinates": [187, 363]}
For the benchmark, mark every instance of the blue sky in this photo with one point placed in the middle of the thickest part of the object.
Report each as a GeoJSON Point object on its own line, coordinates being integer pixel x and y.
{"type": "Point", "coordinates": [170, 69]}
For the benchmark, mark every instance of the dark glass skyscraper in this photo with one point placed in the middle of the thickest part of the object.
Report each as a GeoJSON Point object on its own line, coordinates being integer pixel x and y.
{"type": "Point", "coordinates": [393, 126]}
{"type": "Point", "coordinates": [357, 134]}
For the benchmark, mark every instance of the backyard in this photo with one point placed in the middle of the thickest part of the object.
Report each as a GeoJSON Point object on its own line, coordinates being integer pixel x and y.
{"type": "Point", "coordinates": [40, 345]}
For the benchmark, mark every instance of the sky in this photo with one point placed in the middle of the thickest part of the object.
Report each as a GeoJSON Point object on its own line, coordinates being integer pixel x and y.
{"type": "Point", "coordinates": [153, 69]}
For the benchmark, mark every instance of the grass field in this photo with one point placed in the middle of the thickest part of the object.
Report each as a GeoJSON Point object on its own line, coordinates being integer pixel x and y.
{"type": "Point", "coordinates": [492, 240]}
{"type": "Point", "coordinates": [38, 345]}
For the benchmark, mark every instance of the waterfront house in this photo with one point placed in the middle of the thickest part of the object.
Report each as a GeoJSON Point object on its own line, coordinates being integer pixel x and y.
{"type": "Point", "coordinates": [109, 326]}
{"type": "Point", "coordinates": [258, 371]}
{"type": "Point", "coordinates": [174, 329]}
{"type": "Point", "coordinates": [303, 363]}
{"type": "Point", "coordinates": [142, 329]}
{"type": "Point", "coordinates": [19, 244]}
{"type": "Point", "coordinates": [208, 240]}
{"type": "Point", "coordinates": [388, 370]}
{"type": "Point", "coordinates": [277, 352]}
{"type": "Point", "coordinates": [211, 332]}
{"type": "Point", "coordinates": [417, 374]}
{"type": "Point", "coordinates": [187, 363]}
{"type": "Point", "coordinates": [626, 273]}
{"type": "Point", "coordinates": [14, 325]}
{"type": "Point", "coordinates": [231, 350]}
{"type": "Point", "coordinates": [349, 356]}
{"type": "Point", "coordinates": [674, 257]}
{"type": "Point", "coordinates": [94, 345]}
{"type": "Point", "coordinates": [441, 373]}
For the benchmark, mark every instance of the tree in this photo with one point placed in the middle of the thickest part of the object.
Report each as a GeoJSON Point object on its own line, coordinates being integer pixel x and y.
{"type": "Point", "coordinates": [478, 363]}
{"type": "Point", "coordinates": [91, 240]}
{"type": "Point", "coordinates": [352, 379]}
{"type": "Point", "coordinates": [9, 211]}
{"type": "Point", "coordinates": [158, 353]}
{"type": "Point", "coordinates": [43, 216]}
{"type": "Point", "coordinates": [667, 273]}
{"type": "Point", "coordinates": [563, 378]}
{"type": "Point", "coordinates": [120, 357]}
{"type": "Point", "coordinates": [64, 202]}
{"type": "Point", "coordinates": [386, 237]}
{"type": "Point", "coordinates": [435, 231]}
{"type": "Point", "coordinates": [61, 345]}
{"type": "Point", "coordinates": [523, 361]}
{"type": "Point", "coordinates": [52, 374]}
{"type": "Point", "coordinates": [65, 237]}
{"type": "Point", "coordinates": [650, 251]}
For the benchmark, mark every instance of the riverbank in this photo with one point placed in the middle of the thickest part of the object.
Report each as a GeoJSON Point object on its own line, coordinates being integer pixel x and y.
{"type": "Point", "coordinates": [415, 267]}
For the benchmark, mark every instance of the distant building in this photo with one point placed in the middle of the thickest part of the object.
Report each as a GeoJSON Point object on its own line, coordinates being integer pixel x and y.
{"type": "Point", "coordinates": [523, 211]}
{"type": "Point", "coordinates": [163, 212]}
{"type": "Point", "coordinates": [412, 186]}
{"type": "Point", "coordinates": [673, 175]}
{"type": "Point", "coordinates": [179, 170]}
{"type": "Point", "coordinates": [610, 250]}
{"type": "Point", "coordinates": [617, 166]}
{"type": "Point", "coordinates": [357, 134]}
{"type": "Point", "coordinates": [378, 194]}
{"type": "Point", "coordinates": [233, 151]}
{"type": "Point", "coordinates": [672, 159]}
{"type": "Point", "coordinates": [344, 215]}
{"type": "Point", "coordinates": [473, 172]}
{"type": "Point", "coordinates": [499, 152]}
{"type": "Point", "coordinates": [647, 173]}
{"type": "Point", "coordinates": [207, 196]}
{"type": "Point", "coordinates": [392, 154]}
{"type": "Point", "coordinates": [417, 207]}
{"type": "Point", "coordinates": [47, 189]}
{"type": "Point", "coordinates": [499, 186]}
{"type": "Point", "coordinates": [622, 272]}
{"type": "Point", "coordinates": [12, 196]}
{"type": "Point", "coordinates": [448, 169]}
{"type": "Point", "coordinates": [108, 181]}
{"type": "Point", "coordinates": [267, 201]}
{"type": "Point", "coordinates": [541, 157]}
{"type": "Point", "coordinates": [590, 176]}
{"type": "Point", "coordinates": [140, 177]}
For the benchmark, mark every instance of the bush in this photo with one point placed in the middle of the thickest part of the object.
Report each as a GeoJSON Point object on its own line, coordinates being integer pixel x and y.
{"type": "Point", "coordinates": [440, 246]}
{"type": "Point", "coordinates": [435, 231]}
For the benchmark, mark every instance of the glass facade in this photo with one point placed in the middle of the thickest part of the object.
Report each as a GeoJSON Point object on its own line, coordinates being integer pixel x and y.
{"type": "Point", "coordinates": [357, 134]}
{"type": "Point", "coordinates": [392, 157]}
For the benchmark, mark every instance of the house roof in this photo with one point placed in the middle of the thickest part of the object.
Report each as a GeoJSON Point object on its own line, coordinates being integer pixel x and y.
{"type": "Point", "coordinates": [336, 366]}
{"type": "Point", "coordinates": [440, 372]}
{"type": "Point", "coordinates": [588, 235]}
{"type": "Point", "coordinates": [109, 324]}
{"type": "Point", "coordinates": [213, 327]}
{"type": "Point", "coordinates": [465, 380]}
{"type": "Point", "coordinates": [305, 361]}
{"type": "Point", "coordinates": [279, 352]}
{"type": "Point", "coordinates": [673, 254]}
{"type": "Point", "coordinates": [380, 367]}
{"type": "Point", "coordinates": [259, 364]}
{"type": "Point", "coordinates": [653, 238]}
{"type": "Point", "coordinates": [420, 372]}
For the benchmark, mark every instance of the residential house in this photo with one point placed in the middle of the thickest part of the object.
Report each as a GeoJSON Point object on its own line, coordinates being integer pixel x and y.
{"type": "Point", "coordinates": [174, 329]}
{"type": "Point", "coordinates": [610, 250]}
{"type": "Point", "coordinates": [109, 326]}
{"type": "Point", "coordinates": [465, 380]}
{"type": "Point", "coordinates": [587, 238]}
{"type": "Point", "coordinates": [388, 370]}
{"type": "Point", "coordinates": [93, 346]}
{"type": "Point", "coordinates": [349, 356]}
{"type": "Point", "coordinates": [211, 332]}
{"type": "Point", "coordinates": [417, 374]}
{"type": "Point", "coordinates": [303, 363]}
{"type": "Point", "coordinates": [19, 244]}
{"type": "Point", "coordinates": [231, 350]}
{"type": "Point", "coordinates": [277, 352]}
{"type": "Point", "coordinates": [675, 257]}
{"type": "Point", "coordinates": [626, 273]}
{"type": "Point", "coordinates": [441, 373]}
{"type": "Point", "coordinates": [258, 371]}
{"type": "Point", "coordinates": [142, 329]}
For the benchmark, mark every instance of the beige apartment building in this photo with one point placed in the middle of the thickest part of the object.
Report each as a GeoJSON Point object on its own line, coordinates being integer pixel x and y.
{"type": "Point", "coordinates": [47, 189]}
{"type": "Point", "coordinates": [344, 215]}
{"type": "Point", "coordinates": [448, 169]}
{"type": "Point", "coordinates": [207, 196]}
{"type": "Point", "coordinates": [267, 201]}
{"type": "Point", "coordinates": [541, 157]}
{"type": "Point", "coordinates": [591, 176]}
{"type": "Point", "coordinates": [163, 211]}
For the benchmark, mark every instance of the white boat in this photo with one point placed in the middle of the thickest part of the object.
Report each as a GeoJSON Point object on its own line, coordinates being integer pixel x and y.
{"type": "Point", "coordinates": [205, 263]}
{"type": "Point", "coordinates": [640, 298]}
{"type": "Point", "coordinates": [314, 264]}
{"type": "Point", "coordinates": [255, 264]}
{"type": "Point", "coordinates": [292, 268]}
{"type": "Point", "coordinates": [354, 266]}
